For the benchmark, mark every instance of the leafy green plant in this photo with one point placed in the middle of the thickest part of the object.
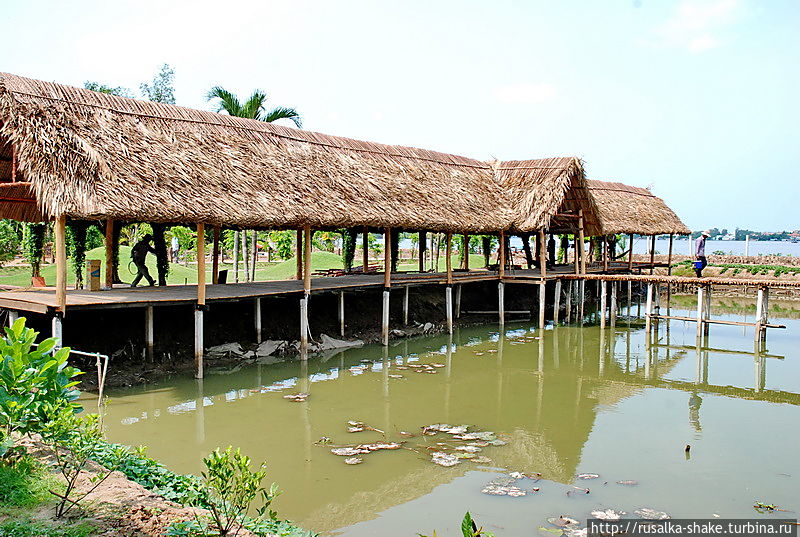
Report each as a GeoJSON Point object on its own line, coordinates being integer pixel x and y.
{"type": "Point", "coordinates": [73, 441]}
{"type": "Point", "coordinates": [348, 248]}
{"type": "Point", "coordinates": [76, 248]}
{"type": "Point", "coordinates": [468, 528]}
{"type": "Point", "coordinates": [35, 383]}
{"type": "Point", "coordinates": [9, 240]}
{"type": "Point", "coordinates": [25, 482]}
{"type": "Point", "coordinates": [37, 528]}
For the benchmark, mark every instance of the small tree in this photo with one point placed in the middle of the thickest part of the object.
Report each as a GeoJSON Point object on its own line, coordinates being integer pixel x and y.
{"type": "Point", "coordinates": [76, 245]}
{"type": "Point", "coordinates": [162, 258]}
{"type": "Point", "coordinates": [162, 87]}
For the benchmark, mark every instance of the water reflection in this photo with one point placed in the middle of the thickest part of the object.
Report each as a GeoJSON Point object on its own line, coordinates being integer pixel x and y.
{"type": "Point", "coordinates": [546, 391]}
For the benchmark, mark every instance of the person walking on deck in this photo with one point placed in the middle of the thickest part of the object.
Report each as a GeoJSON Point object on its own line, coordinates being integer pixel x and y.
{"type": "Point", "coordinates": [138, 256]}
{"type": "Point", "coordinates": [700, 253]}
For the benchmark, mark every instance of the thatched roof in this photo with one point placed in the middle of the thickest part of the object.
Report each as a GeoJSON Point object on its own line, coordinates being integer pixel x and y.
{"type": "Point", "coordinates": [540, 190]}
{"type": "Point", "coordinates": [629, 209]}
{"type": "Point", "coordinates": [92, 155]}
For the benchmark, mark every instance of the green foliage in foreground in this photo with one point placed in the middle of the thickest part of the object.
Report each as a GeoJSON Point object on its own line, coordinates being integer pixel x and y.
{"type": "Point", "coordinates": [468, 528]}
{"type": "Point", "coordinates": [25, 483]}
{"type": "Point", "coordinates": [25, 527]}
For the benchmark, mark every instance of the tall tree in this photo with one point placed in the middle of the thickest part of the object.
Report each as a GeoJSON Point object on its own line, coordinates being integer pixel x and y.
{"type": "Point", "coordinates": [162, 88]}
{"type": "Point", "coordinates": [102, 88]}
{"type": "Point", "coordinates": [253, 108]}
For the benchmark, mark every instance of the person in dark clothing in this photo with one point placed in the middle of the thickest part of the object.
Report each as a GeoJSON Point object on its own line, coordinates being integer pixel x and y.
{"type": "Point", "coordinates": [551, 252]}
{"type": "Point", "coordinates": [700, 253]}
{"type": "Point", "coordinates": [138, 256]}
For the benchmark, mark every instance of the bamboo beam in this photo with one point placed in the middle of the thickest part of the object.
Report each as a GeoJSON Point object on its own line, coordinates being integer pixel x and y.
{"type": "Point", "coordinates": [669, 256]}
{"type": "Point", "coordinates": [387, 258]}
{"type": "Point", "coordinates": [299, 255]}
{"type": "Point", "coordinates": [542, 243]}
{"type": "Point", "coordinates": [557, 302]}
{"type": "Point", "coordinates": [630, 254]}
{"type": "Point", "coordinates": [201, 264]}
{"type": "Point", "coordinates": [576, 254]}
{"type": "Point", "coordinates": [13, 163]}
{"type": "Point", "coordinates": [423, 247]}
{"type": "Point", "coordinates": [109, 253]}
{"type": "Point", "coordinates": [365, 251]}
{"type": "Point", "coordinates": [465, 265]}
{"type": "Point", "coordinates": [307, 260]}
{"type": "Point", "coordinates": [61, 263]}
{"type": "Point", "coordinates": [449, 262]}
{"type": "Point", "coordinates": [605, 253]}
{"type": "Point", "coordinates": [652, 252]}
{"type": "Point", "coordinates": [581, 239]}
{"type": "Point", "coordinates": [501, 271]}
{"type": "Point", "coordinates": [215, 258]}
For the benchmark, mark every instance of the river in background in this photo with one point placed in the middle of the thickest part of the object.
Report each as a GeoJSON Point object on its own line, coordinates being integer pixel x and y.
{"type": "Point", "coordinates": [566, 401]}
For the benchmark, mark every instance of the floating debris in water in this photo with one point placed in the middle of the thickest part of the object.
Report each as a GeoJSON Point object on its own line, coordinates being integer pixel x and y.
{"type": "Point", "coordinates": [588, 476]}
{"type": "Point", "coordinates": [438, 365]}
{"type": "Point", "coordinates": [563, 521]}
{"type": "Point", "coordinates": [628, 482]}
{"type": "Point", "coordinates": [297, 397]}
{"type": "Point", "coordinates": [359, 426]}
{"type": "Point", "coordinates": [651, 514]}
{"type": "Point", "coordinates": [468, 449]}
{"type": "Point", "coordinates": [498, 489]}
{"type": "Point", "coordinates": [479, 353]}
{"type": "Point", "coordinates": [581, 489]}
{"type": "Point", "coordinates": [444, 459]}
{"type": "Point", "coordinates": [608, 514]}
{"type": "Point", "coordinates": [522, 475]}
{"type": "Point", "coordinates": [478, 443]}
{"type": "Point", "coordinates": [380, 445]}
{"type": "Point", "coordinates": [324, 440]}
{"type": "Point", "coordinates": [762, 507]}
{"type": "Point", "coordinates": [396, 376]}
{"type": "Point", "coordinates": [480, 459]}
{"type": "Point", "coordinates": [403, 367]}
{"type": "Point", "coordinates": [406, 434]}
{"type": "Point", "coordinates": [354, 460]}
{"type": "Point", "coordinates": [348, 451]}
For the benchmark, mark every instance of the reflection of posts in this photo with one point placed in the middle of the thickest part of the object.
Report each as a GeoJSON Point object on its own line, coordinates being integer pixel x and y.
{"type": "Point", "coordinates": [760, 367]}
{"type": "Point", "coordinates": [694, 411]}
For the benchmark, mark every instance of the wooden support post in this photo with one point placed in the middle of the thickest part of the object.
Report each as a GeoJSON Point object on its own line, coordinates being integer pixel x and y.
{"type": "Point", "coordinates": [652, 252]}
{"type": "Point", "coordinates": [542, 253]}
{"type": "Point", "coordinates": [299, 255]}
{"type": "Point", "coordinates": [580, 241]}
{"type": "Point", "coordinates": [61, 263]}
{"type": "Point", "coordinates": [576, 255]}
{"type": "Point", "coordinates": [406, 292]}
{"type": "Point", "coordinates": [501, 268]}
{"type": "Point", "coordinates": [201, 301]}
{"type": "Point", "coordinates": [57, 329]}
{"type": "Point", "coordinates": [630, 295]}
{"type": "Point", "coordinates": [765, 314]}
{"type": "Point", "coordinates": [613, 304]}
{"type": "Point", "coordinates": [304, 324]}
{"type": "Point", "coordinates": [669, 256]}
{"type": "Point", "coordinates": [458, 301]}
{"type": "Point", "coordinates": [109, 253]}
{"type": "Point", "coordinates": [449, 262]}
{"type": "Point", "coordinates": [387, 283]}
{"type": "Point", "coordinates": [605, 253]}
{"type": "Point", "coordinates": [581, 299]}
{"type": "Point", "coordinates": [603, 306]}
{"type": "Point", "coordinates": [568, 305]}
{"type": "Point", "coordinates": [365, 251]}
{"type": "Point", "coordinates": [501, 301]}
{"type": "Point", "coordinates": [707, 311]}
{"type": "Point", "coordinates": [215, 257]}
{"type": "Point", "coordinates": [465, 265]}
{"type": "Point", "coordinates": [257, 318]}
{"type": "Point", "coordinates": [542, 303]}
{"type": "Point", "coordinates": [341, 313]}
{"type": "Point", "coordinates": [236, 257]}
{"type": "Point", "coordinates": [149, 332]}
{"type": "Point", "coordinates": [648, 310]}
{"type": "Point", "coordinates": [13, 315]}
{"type": "Point", "coordinates": [700, 315]}
{"type": "Point", "coordinates": [423, 247]}
{"type": "Point", "coordinates": [448, 300]}
{"type": "Point", "coordinates": [630, 254]}
{"type": "Point", "coordinates": [557, 302]}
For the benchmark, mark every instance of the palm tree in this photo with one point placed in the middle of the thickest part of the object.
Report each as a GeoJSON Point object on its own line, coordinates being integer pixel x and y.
{"type": "Point", "coordinates": [253, 108]}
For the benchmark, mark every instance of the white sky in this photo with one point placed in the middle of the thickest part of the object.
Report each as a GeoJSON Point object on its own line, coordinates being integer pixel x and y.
{"type": "Point", "coordinates": [697, 99]}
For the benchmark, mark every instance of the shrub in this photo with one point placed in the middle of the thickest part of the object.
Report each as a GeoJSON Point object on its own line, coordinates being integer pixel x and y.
{"type": "Point", "coordinates": [24, 482]}
{"type": "Point", "coordinates": [37, 528]}
{"type": "Point", "coordinates": [35, 384]}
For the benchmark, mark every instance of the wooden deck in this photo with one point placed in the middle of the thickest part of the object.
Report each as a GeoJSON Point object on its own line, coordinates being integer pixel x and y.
{"type": "Point", "coordinates": [43, 299]}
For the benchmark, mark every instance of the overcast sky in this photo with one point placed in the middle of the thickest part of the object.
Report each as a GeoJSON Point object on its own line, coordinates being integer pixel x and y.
{"type": "Point", "coordinates": [696, 99]}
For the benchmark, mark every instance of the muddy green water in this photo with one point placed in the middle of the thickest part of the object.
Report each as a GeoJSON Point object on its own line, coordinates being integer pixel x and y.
{"type": "Point", "coordinates": [576, 400]}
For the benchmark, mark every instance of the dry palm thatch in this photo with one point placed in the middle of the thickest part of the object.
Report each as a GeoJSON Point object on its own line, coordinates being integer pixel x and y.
{"type": "Point", "coordinates": [540, 190]}
{"type": "Point", "coordinates": [629, 209]}
{"type": "Point", "coordinates": [91, 155]}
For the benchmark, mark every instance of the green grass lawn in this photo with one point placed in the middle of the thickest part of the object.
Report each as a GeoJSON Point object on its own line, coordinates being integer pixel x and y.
{"type": "Point", "coordinates": [180, 274]}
